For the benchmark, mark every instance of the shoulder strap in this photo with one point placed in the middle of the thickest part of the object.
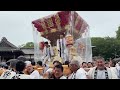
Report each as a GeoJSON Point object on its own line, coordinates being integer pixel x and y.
{"type": "Point", "coordinates": [95, 73]}
{"type": "Point", "coordinates": [106, 73]}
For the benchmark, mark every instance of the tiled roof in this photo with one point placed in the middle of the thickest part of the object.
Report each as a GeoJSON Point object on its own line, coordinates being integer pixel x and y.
{"type": "Point", "coordinates": [28, 50]}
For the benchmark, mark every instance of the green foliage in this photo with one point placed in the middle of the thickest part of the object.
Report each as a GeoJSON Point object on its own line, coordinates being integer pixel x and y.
{"type": "Point", "coordinates": [118, 33]}
{"type": "Point", "coordinates": [27, 45]}
{"type": "Point", "coordinates": [106, 47]}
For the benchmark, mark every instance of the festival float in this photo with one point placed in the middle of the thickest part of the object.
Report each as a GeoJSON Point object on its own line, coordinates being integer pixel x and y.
{"type": "Point", "coordinates": [72, 26]}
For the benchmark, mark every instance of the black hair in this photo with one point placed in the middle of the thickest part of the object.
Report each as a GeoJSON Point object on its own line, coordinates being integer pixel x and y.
{"type": "Point", "coordinates": [66, 63]}
{"type": "Point", "coordinates": [33, 63]}
{"type": "Point", "coordinates": [83, 63]}
{"type": "Point", "coordinates": [39, 63]}
{"type": "Point", "coordinates": [90, 63]}
{"type": "Point", "coordinates": [59, 63]}
{"type": "Point", "coordinates": [20, 66]}
{"type": "Point", "coordinates": [60, 67]}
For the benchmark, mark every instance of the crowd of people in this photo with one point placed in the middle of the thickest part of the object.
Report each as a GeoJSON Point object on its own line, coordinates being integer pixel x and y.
{"type": "Point", "coordinates": [22, 69]}
{"type": "Point", "coordinates": [62, 62]}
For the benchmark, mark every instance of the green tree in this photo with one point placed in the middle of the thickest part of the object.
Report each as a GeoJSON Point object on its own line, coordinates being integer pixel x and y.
{"type": "Point", "coordinates": [118, 33]}
{"type": "Point", "coordinates": [98, 42]}
{"type": "Point", "coordinates": [107, 47]}
{"type": "Point", "coordinates": [27, 45]}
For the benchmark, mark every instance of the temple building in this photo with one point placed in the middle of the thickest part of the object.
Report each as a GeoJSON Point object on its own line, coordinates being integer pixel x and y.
{"type": "Point", "coordinates": [10, 51]}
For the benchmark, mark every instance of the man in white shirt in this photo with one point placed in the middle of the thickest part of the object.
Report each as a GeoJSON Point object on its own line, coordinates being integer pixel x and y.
{"type": "Point", "coordinates": [77, 72]}
{"type": "Point", "coordinates": [100, 71]}
{"type": "Point", "coordinates": [113, 67]}
{"type": "Point", "coordinates": [58, 72]}
{"type": "Point", "coordinates": [8, 74]}
{"type": "Point", "coordinates": [20, 66]}
{"type": "Point", "coordinates": [50, 71]}
{"type": "Point", "coordinates": [29, 68]}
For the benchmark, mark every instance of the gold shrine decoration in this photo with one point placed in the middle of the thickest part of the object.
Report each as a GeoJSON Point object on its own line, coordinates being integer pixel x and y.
{"type": "Point", "coordinates": [67, 27]}
{"type": "Point", "coordinates": [73, 51]}
{"type": "Point", "coordinates": [53, 30]}
{"type": "Point", "coordinates": [49, 23]}
{"type": "Point", "coordinates": [77, 20]}
{"type": "Point", "coordinates": [43, 25]}
{"type": "Point", "coordinates": [53, 24]}
{"type": "Point", "coordinates": [57, 21]}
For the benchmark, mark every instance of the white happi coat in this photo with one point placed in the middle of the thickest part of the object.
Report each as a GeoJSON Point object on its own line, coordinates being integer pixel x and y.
{"type": "Point", "coordinates": [63, 77]}
{"type": "Point", "coordinates": [8, 74]}
{"type": "Point", "coordinates": [111, 74]}
{"type": "Point", "coordinates": [22, 76]}
{"type": "Point", "coordinates": [35, 75]}
{"type": "Point", "coordinates": [80, 74]}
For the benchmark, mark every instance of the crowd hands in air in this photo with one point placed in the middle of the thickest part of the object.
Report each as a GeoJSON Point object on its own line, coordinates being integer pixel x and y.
{"type": "Point", "coordinates": [22, 69]}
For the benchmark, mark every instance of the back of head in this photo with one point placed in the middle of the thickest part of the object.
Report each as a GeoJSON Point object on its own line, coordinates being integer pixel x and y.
{"type": "Point", "coordinates": [39, 63]}
{"type": "Point", "coordinates": [33, 63]}
{"type": "Point", "coordinates": [66, 62]}
{"type": "Point", "coordinates": [57, 62]}
{"type": "Point", "coordinates": [20, 66]}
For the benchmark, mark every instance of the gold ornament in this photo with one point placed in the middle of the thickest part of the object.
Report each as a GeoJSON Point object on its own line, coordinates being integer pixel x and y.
{"type": "Point", "coordinates": [49, 22]}
{"type": "Point", "coordinates": [43, 25]}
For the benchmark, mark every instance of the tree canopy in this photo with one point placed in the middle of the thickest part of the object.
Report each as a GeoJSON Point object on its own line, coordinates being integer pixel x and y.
{"type": "Point", "coordinates": [108, 47]}
{"type": "Point", "coordinates": [27, 45]}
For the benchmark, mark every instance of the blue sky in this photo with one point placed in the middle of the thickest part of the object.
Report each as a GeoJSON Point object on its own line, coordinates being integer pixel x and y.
{"type": "Point", "coordinates": [16, 25]}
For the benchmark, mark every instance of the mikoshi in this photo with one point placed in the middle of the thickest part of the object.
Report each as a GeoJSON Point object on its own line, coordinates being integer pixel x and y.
{"type": "Point", "coordinates": [74, 29]}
